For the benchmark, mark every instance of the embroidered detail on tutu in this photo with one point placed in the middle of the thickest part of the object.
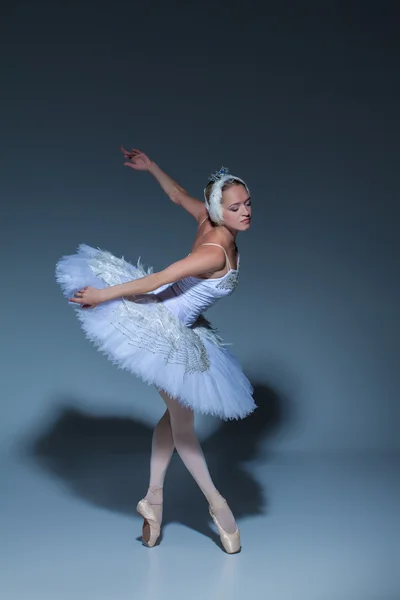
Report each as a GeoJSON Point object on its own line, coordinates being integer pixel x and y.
{"type": "Point", "coordinates": [113, 270]}
{"type": "Point", "coordinates": [156, 330]}
{"type": "Point", "coordinates": [148, 324]}
{"type": "Point", "coordinates": [230, 282]}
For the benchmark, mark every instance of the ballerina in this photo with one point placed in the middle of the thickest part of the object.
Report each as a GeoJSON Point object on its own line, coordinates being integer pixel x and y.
{"type": "Point", "coordinates": [152, 324]}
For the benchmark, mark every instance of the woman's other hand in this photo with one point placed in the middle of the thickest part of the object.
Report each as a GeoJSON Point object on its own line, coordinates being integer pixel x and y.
{"type": "Point", "coordinates": [88, 296]}
{"type": "Point", "coordinates": [138, 160]}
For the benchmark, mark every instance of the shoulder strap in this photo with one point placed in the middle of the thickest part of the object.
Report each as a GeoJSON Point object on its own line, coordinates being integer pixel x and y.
{"type": "Point", "coordinates": [212, 244]}
{"type": "Point", "coordinates": [200, 224]}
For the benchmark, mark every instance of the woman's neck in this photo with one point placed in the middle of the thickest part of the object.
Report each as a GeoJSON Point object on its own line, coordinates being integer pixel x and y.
{"type": "Point", "coordinates": [229, 234]}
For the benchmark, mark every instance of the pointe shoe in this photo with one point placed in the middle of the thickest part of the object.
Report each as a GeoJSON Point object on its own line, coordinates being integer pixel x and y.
{"type": "Point", "coordinates": [151, 528]}
{"type": "Point", "coordinates": [230, 541]}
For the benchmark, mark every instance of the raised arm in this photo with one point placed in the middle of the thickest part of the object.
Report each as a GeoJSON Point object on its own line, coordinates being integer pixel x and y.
{"type": "Point", "coordinates": [204, 259]}
{"type": "Point", "coordinates": [141, 162]}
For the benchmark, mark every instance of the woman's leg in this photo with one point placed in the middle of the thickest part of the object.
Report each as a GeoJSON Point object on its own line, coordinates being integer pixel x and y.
{"type": "Point", "coordinates": [189, 449]}
{"type": "Point", "coordinates": [162, 448]}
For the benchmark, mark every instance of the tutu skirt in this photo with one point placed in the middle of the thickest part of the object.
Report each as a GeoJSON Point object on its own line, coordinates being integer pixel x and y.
{"type": "Point", "coordinates": [141, 335]}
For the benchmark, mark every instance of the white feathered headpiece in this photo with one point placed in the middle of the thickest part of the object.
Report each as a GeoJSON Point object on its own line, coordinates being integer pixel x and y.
{"type": "Point", "coordinates": [213, 205]}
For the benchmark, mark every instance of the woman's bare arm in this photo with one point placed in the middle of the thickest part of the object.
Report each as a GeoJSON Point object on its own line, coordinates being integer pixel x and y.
{"type": "Point", "coordinates": [177, 193]}
{"type": "Point", "coordinates": [139, 161]}
{"type": "Point", "coordinates": [194, 207]}
{"type": "Point", "coordinates": [169, 185]}
{"type": "Point", "coordinates": [202, 260]}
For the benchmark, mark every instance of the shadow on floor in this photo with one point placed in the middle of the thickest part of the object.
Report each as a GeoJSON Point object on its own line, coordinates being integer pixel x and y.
{"type": "Point", "coordinates": [105, 461]}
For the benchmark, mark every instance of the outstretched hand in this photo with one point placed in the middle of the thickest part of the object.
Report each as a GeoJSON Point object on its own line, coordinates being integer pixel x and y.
{"type": "Point", "coordinates": [138, 160]}
{"type": "Point", "coordinates": [88, 296]}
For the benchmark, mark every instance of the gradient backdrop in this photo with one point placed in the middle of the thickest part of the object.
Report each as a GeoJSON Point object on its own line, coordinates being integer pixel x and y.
{"type": "Point", "coordinates": [299, 99]}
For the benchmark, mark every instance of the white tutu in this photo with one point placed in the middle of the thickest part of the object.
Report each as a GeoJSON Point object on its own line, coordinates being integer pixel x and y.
{"type": "Point", "coordinates": [146, 337]}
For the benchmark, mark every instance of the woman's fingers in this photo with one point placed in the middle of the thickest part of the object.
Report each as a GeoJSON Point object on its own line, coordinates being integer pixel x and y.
{"type": "Point", "coordinates": [83, 306]}
{"type": "Point", "coordinates": [133, 155]}
{"type": "Point", "coordinates": [78, 295]}
{"type": "Point", "coordinates": [130, 153]}
{"type": "Point", "coordinates": [78, 298]}
{"type": "Point", "coordinates": [80, 301]}
{"type": "Point", "coordinates": [137, 159]}
{"type": "Point", "coordinates": [126, 153]}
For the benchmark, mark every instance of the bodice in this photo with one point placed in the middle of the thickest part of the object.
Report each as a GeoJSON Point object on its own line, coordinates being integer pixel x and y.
{"type": "Point", "coordinates": [191, 296]}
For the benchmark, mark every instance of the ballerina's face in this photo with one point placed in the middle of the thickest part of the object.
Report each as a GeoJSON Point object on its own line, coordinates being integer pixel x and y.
{"type": "Point", "coordinates": [236, 207]}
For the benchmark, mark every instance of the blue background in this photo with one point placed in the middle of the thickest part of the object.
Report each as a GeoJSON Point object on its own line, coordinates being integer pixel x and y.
{"type": "Point", "coordinates": [302, 104]}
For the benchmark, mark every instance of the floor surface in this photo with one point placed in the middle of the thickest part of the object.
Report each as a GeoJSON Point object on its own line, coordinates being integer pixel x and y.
{"type": "Point", "coordinates": [326, 529]}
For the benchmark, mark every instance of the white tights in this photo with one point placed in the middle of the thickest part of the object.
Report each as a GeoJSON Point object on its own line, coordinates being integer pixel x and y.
{"type": "Point", "coordinates": [175, 429]}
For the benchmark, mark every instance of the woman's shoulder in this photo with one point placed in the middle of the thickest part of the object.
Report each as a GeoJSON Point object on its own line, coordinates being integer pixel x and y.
{"type": "Point", "coordinates": [212, 239]}
{"type": "Point", "coordinates": [210, 236]}
{"type": "Point", "coordinates": [203, 217]}
{"type": "Point", "coordinates": [208, 233]}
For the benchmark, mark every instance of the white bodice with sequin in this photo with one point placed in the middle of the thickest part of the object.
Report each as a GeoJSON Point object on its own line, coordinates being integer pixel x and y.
{"type": "Point", "coordinates": [191, 296]}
